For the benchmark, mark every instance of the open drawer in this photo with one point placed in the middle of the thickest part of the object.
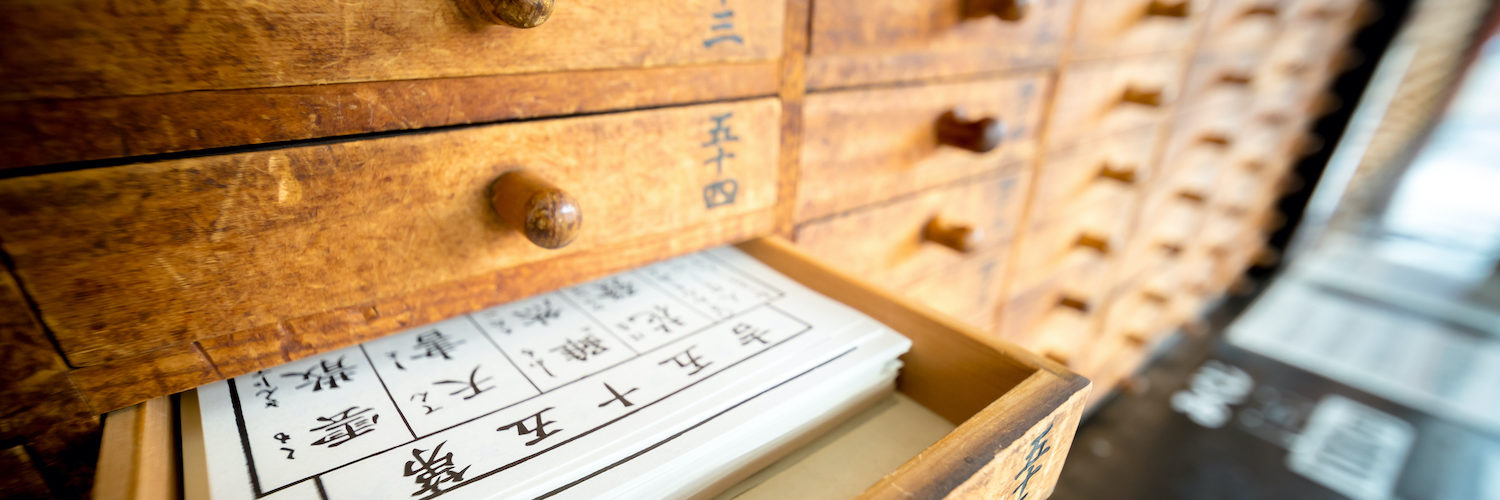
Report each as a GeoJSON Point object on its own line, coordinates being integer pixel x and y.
{"type": "Point", "coordinates": [1015, 412]}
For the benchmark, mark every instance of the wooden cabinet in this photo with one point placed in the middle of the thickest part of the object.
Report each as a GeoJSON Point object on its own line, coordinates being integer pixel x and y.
{"type": "Point", "coordinates": [194, 191]}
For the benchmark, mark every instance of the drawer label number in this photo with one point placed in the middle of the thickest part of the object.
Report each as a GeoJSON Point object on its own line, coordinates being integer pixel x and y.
{"type": "Point", "coordinates": [723, 190]}
{"type": "Point", "coordinates": [1039, 447]}
{"type": "Point", "coordinates": [722, 29]}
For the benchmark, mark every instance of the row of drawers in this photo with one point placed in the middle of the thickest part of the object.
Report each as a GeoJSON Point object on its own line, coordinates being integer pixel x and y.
{"type": "Point", "coordinates": [159, 78]}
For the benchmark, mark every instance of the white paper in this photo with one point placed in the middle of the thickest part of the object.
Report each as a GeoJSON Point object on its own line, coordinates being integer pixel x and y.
{"type": "Point", "coordinates": [528, 397]}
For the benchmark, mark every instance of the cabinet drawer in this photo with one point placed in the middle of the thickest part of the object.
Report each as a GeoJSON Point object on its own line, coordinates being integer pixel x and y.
{"type": "Point", "coordinates": [969, 292]}
{"type": "Point", "coordinates": [859, 42]}
{"type": "Point", "coordinates": [1104, 97]}
{"type": "Point", "coordinates": [270, 253]}
{"type": "Point", "coordinates": [1106, 172]}
{"type": "Point", "coordinates": [1052, 319]}
{"type": "Point", "coordinates": [1076, 249]}
{"type": "Point", "coordinates": [866, 146]}
{"type": "Point", "coordinates": [89, 48]}
{"type": "Point", "coordinates": [1224, 82]}
{"type": "Point", "coordinates": [1118, 27]}
{"type": "Point", "coordinates": [1015, 413]}
{"type": "Point", "coordinates": [901, 242]}
{"type": "Point", "coordinates": [1242, 25]}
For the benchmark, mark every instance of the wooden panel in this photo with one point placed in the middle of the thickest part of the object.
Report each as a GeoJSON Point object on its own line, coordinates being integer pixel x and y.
{"type": "Point", "coordinates": [1104, 97]}
{"type": "Point", "coordinates": [93, 48]}
{"type": "Point", "coordinates": [1052, 319]}
{"type": "Point", "coordinates": [1224, 82]}
{"type": "Point", "coordinates": [969, 292]}
{"type": "Point", "coordinates": [65, 130]}
{"type": "Point", "coordinates": [126, 260]}
{"type": "Point", "coordinates": [1104, 172]}
{"type": "Point", "coordinates": [1075, 248]}
{"type": "Point", "coordinates": [866, 146]}
{"type": "Point", "coordinates": [1242, 25]}
{"type": "Point", "coordinates": [1116, 27]}
{"type": "Point", "coordinates": [55, 430]}
{"type": "Point", "coordinates": [138, 455]}
{"type": "Point", "coordinates": [859, 42]}
{"type": "Point", "coordinates": [1016, 412]}
{"type": "Point", "coordinates": [885, 244]}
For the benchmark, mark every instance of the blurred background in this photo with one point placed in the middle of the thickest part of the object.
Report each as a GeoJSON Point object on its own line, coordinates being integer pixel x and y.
{"type": "Point", "coordinates": [1361, 357]}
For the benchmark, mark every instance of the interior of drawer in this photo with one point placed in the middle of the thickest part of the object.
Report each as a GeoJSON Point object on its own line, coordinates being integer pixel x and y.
{"type": "Point", "coordinates": [1014, 413]}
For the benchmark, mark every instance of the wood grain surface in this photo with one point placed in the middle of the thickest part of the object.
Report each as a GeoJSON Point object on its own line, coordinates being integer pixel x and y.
{"type": "Point", "coordinates": [866, 146]}
{"type": "Point", "coordinates": [99, 48]}
{"type": "Point", "coordinates": [123, 261]}
{"type": "Point", "coordinates": [45, 131]}
{"type": "Point", "coordinates": [862, 42]}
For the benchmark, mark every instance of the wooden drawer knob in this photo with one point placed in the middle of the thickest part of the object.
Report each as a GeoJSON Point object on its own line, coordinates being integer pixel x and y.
{"type": "Point", "coordinates": [1074, 303]}
{"type": "Point", "coordinates": [960, 237]}
{"type": "Point", "coordinates": [1006, 10]}
{"type": "Point", "coordinates": [1264, 9]}
{"type": "Point", "coordinates": [547, 215]}
{"type": "Point", "coordinates": [1097, 243]}
{"type": "Point", "coordinates": [1124, 174]}
{"type": "Point", "coordinates": [980, 136]}
{"type": "Point", "coordinates": [1236, 78]}
{"type": "Point", "coordinates": [1149, 97]}
{"type": "Point", "coordinates": [1216, 138]}
{"type": "Point", "coordinates": [1168, 8]}
{"type": "Point", "coordinates": [513, 13]}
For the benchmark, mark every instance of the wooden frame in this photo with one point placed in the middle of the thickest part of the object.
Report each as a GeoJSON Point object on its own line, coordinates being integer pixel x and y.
{"type": "Point", "coordinates": [1016, 413]}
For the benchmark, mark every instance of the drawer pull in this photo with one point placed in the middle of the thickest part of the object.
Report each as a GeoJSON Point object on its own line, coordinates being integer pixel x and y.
{"type": "Point", "coordinates": [1192, 196]}
{"type": "Point", "coordinates": [1155, 297]}
{"type": "Point", "coordinates": [1073, 303]}
{"type": "Point", "coordinates": [1163, 8]}
{"type": "Point", "coordinates": [513, 13]}
{"type": "Point", "coordinates": [1172, 249]}
{"type": "Point", "coordinates": [1090, 241]}
{"type": "Point", "coordinates": [1235, 78]}
{"type": "Point", "coordinates": [1265, 9]}
{"type": "Point", "coordinates": [959, 237]}
{"type": "Point", "coordinates": [547, 215]}
{"type": "Point", "coordinates": [1122, 174]}
{"type": "Point", "coordinates": [980, 136]}
{"type": "Point", "coordinates": [1216, 138]}
{"type": "Point", "coordinates": [1145, 97]}
{"type": "Point", "coordinates": [1006, 10]}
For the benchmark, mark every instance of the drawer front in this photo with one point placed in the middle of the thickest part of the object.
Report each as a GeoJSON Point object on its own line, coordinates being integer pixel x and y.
{"type": "Point", "coordinates": [891, 245]}
{"type": "Point", "coordinates": [87, 48]}
{"type": "Point", "coordinates": [124, 260]}
{"type": "Point", "coordinates": [1052, 320]}
{"type": "Point", "coordinates": [1104, 97]}
{"type": "Point", "coordinates": [970, 292]}
{"type": "Point", "coordinates": [1078, 249]}
{"type": "Point", "coordinates": [867, 146]}
{"type": "Point", "coordinates": [1242, 25]}
{"type": "Point", "coordinates": [1221, 81]}
{"type": "Point", "coordinates": [1106, 172]}
{"type": "Point", "coordinates": [1117, 27]}
{"type": "Point", "coordinates": [859, 42]}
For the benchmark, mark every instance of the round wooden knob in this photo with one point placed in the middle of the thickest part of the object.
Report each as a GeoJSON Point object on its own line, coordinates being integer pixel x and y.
{"type": "Point", "coordinates": [514, 13]}
{"type": "Point", "coordinates": [1097, 243]}
{"type": "Point", "coordinates": [1168, 8]}
{"type": "Point", "coordinates": [960, 237]}
{"type": "Point", "coordinates": [547, 215]}
{"type": "Point", "coordinates": [1149, 97]}
{"type": "Point", "coordinates": [1074, 303]}
{"type": "Point", "coordinates": [980, 136]}
{"type": "Point", "coordinates": [1006, 10]}
{"type": "Point", "coordinates": [1216, 138]}
{"type": "Point", "coordinates": [1236, 78]}
{"type": "Point", "coordinates": [1124, 174]}
{"type": "Point", "coordinates": [1264, 9]}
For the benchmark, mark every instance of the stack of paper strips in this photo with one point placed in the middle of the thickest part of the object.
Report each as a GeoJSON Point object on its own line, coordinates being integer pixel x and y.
{"type": "Point", "coordinates": [672, 380]}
